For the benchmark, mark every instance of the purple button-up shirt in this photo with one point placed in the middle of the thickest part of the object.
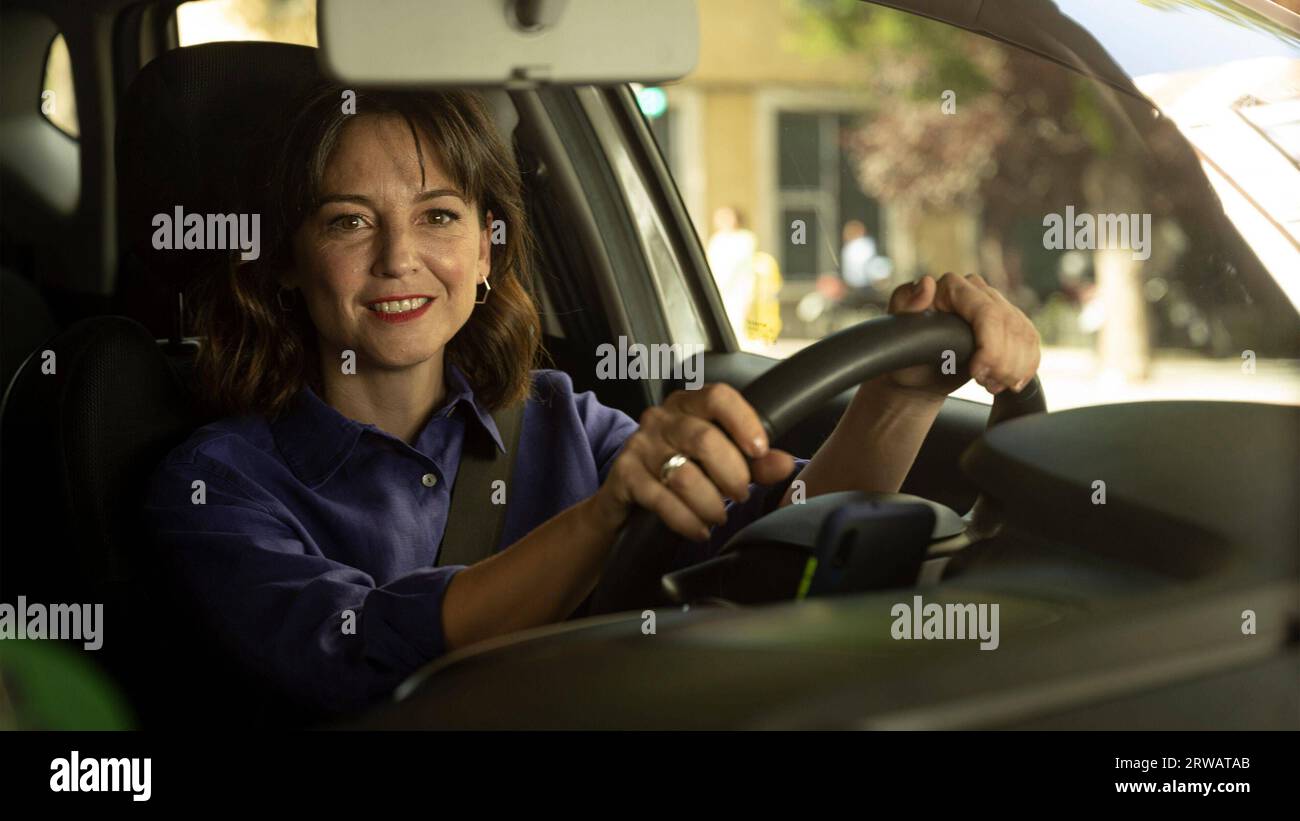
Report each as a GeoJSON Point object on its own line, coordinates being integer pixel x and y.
{"type": "Point", "coordinates": [312, 553]}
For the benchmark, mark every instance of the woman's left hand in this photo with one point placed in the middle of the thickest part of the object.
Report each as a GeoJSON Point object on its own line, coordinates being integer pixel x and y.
{"type": "Point", "coordinates": [1006, 343]}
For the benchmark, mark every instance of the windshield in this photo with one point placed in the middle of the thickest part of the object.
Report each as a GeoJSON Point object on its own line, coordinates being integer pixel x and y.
{"type": "Point", "coordinates": [1152, 36]}
{"type": "Point", "coordinates": [830, 150]}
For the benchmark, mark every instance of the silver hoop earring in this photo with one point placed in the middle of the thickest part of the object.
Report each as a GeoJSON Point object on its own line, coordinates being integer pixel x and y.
{"type": "Point", "coordinates": [279, 298]}
{"type": "Point", "coordinates": [487, 287]}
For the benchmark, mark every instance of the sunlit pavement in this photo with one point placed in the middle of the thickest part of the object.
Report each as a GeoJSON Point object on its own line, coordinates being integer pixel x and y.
{"type": "Point", "coordinates": [1071, 378]}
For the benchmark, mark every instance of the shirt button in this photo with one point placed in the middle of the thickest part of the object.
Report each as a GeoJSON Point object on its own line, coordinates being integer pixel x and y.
{"type": "Point", "coordinates": [429, 480]}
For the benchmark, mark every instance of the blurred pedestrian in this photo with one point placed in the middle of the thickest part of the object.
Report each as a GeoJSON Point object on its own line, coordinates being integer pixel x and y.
{"type": "Point", "coordinates": [731, 257]}
{"type": "Point", "coordinates": [856, 255]}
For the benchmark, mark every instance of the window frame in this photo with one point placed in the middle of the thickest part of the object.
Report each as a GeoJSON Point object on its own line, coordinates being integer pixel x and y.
{"type": "Point", "coordinates": [631, 140]}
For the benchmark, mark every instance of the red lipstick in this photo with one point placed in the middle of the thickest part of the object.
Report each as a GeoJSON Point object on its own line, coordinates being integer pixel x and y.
{"type": "Point", "coordinates": [399, 316]}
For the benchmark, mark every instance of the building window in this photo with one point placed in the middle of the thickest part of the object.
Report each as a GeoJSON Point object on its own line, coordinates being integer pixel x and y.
{"type": "Point", "coordinates": [815, 184]}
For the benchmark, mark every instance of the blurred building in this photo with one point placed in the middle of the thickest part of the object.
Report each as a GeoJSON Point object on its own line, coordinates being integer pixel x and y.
{"type": "Point", "coordinates": [759, 125]}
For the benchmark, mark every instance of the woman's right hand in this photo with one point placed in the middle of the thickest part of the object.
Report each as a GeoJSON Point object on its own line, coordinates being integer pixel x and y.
{"type": "Point", "coordinates": [704, 425]}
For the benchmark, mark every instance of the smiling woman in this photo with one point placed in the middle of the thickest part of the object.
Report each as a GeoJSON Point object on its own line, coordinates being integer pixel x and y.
{"type": "Point", "coordinates": [330, 205]}
{"type": "Point", "coordinates": [382, 335]}
{"type": "Point", "coordinates": [361, 357]}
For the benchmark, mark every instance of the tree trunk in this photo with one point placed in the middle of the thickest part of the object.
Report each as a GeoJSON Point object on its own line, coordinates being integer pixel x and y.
{"type": "Point", "coordinates": [1123, 342]}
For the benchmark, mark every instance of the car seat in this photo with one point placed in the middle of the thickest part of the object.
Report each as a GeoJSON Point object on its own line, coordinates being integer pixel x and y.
{"type": "Point", "coordinates": [88, 418]}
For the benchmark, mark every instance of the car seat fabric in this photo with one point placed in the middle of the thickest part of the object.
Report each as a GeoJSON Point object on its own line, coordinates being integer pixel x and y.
{"type": "Point", "coordinates": [195, 130]}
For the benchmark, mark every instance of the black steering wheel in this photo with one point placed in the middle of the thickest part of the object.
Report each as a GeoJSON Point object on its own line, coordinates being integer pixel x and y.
{"type": "Point", "coordinates": [783, 396]}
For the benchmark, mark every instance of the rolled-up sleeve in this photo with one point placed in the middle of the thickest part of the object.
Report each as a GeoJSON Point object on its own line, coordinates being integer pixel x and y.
{"type": "Point", "coordinates": [315, 627]}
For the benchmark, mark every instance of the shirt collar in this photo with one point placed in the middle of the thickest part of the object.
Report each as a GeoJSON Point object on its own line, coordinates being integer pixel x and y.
{"type": "Point", "coordinates": [314, 438]}
{"type": "Point", "coordinates": [458, 392]}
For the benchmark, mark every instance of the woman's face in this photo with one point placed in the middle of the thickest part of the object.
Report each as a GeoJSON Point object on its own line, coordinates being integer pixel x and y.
{"type": "Point", "coordinates": [388, 267]}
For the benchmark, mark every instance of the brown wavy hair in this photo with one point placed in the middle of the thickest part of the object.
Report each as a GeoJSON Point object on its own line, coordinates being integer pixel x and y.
{"type": "Point", "coordinates": [255, 356]}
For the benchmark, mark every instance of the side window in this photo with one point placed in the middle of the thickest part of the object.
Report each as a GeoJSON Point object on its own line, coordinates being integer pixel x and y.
{"type": "Point", "coordinates": [281, 21]}
{"type": "Point", "coordinates": [829, 152]}
{"type": "Point", "coordinates": [679, 307]}
{"type": "Point", "coordinates": [58, 101]}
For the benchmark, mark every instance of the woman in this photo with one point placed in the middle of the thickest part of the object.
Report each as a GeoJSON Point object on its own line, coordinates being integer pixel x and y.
{"type": "Point", "coordinates": [383, 328]}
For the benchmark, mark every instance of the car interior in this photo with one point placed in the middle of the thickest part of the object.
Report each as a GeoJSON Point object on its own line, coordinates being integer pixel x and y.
{"type": "Point", "coordinates": [98, 348]}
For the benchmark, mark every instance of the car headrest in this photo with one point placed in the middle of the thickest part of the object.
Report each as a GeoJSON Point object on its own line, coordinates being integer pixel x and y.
{"type": "Point", "coordinates": [194, 131]}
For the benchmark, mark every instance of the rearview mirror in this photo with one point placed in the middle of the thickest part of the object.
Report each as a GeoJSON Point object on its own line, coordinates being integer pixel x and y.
{"type": "Point", "coordinates": [516, 43]}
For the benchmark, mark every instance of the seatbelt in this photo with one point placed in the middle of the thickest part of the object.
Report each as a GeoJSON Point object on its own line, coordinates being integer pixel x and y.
{"type": "Point", "coordinates": [474, 524]}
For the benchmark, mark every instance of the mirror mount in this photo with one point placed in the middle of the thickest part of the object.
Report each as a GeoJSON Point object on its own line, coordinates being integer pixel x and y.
{"type": "Point", "coordinates": [531, 16]}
